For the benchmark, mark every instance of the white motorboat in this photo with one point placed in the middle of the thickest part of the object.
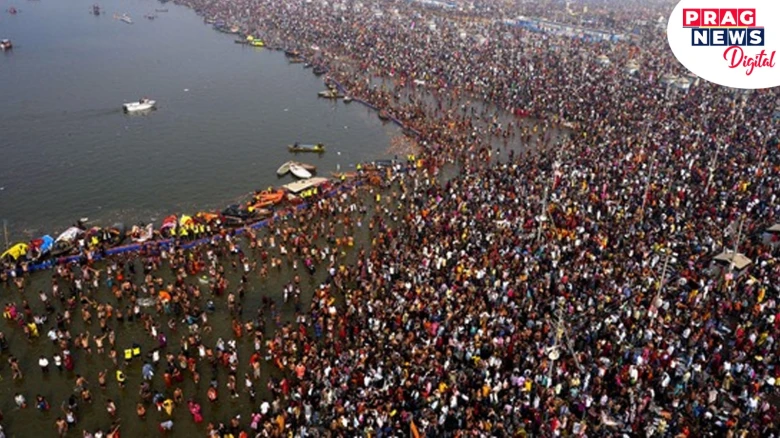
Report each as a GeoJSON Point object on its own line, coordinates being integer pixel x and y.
{"type": "Point", "coordinates": [141, 105]}
{"type": "Point", "coordinates": [126, 18]}
{"type": "Point", "coordinates": [299, 171]}
{"type": "Point", "coordinates": [6, 45]}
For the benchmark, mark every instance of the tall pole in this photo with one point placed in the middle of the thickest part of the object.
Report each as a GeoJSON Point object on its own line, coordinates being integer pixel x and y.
{"type": "Point", "coordinates": [554, 349]}
{"type": "Point", "coordinates": [542, 215]}
{"type": "Point", "coordinates": [649, 181]}
{"type": "Point", "coordinates": [712, 169]}
{"type": "Point", "coordinates": [736, 245]}
{"type": "Point", "coordinates": [663, 279]}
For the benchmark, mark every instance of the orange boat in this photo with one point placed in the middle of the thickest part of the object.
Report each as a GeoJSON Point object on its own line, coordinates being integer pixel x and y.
{"type": "Point", "coordinates": [273, 197]}
{"type": "Point", "coordinates": [206, 216]}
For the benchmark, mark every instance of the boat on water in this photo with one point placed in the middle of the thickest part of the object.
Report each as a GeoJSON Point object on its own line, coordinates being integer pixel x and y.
{"type": "Point", "coordinates": [296, 60]}
{"type": "Point", "coordinates": [160, 10]}
{"type": "Point", "coordinates": [96, 9]}
{"type": "Point", "coordinates": [257, 43]}
{"type": "Point", "coordinates": [319, 70]}
{"type": "Point", "coordinates": [330, 94]}
{"type": "Point", "coordinates": [150, 16]}
{"type": "Point", "coordinates": [347, 99]}
{"type": "Point", "coordinates": [234, 29]}
{"type": "Point", "coordinates": [142, 105]}
{"type": "Point", "coordinates": [6, 45]}
{"type": "Point", "coordinates": [299, 171]}
{"type": "Point", "coordinates": [384, 115]}
{"type": "Point", "coordinates": [300, 147]}
{"type": "Point", "coordinates": [126, 18]}
{"type": "Point", "coordinates": [285, 168]}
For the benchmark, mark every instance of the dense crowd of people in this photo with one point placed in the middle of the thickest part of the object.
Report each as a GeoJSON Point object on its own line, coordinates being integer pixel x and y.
{"type": "Point", "coordinates": [564, 290]}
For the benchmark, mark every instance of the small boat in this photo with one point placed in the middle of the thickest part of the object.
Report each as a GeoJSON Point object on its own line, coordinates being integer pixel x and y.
{"type": "Point", "coordinates": [292, 53]}
{"type": "Point", "coordinates": [66, 242]}
{"type": "Point", "coordinates": [244, 42]}
{"type": "Point", "coordinates": [384, 115]}
{"type": "Point", "coordinates": [284, 168]}
{"type": "Point", "coordinates": [235, 215]}
{"type": "Point", "coordinates": [319, 147]}
{"type": "Point", "coordinates": [209, 20]}
{"type": "Point", "coordinates": [299, 171]}
{"type": "Point", "coordinates": [6, 45]}
{"type": "Point", "coordinates": [347, 99]}
{"type": "Point", "coordinates": [307, 65]}
{"type": "Point", "coordinates": [96, 9]}
{"type": "Point", "coordinates": [260, 211]}
{"type": "Point", "coordinates": [309, 167]}
{"type": "Point", "coordinates": [150, 16]}
{"type": "Point", "coordinates": [319, 71]}
{"type": "Point", "coordinates": [12, 10]}
{"type": "Point", "coordinates": [345, 175]}
{"type": "Point", "coordinates": [140, 233]}
{"type": "Point", "coordinates": [296, 61]}
{"type": "Point", "coordinates": [257, 43]}
{"type": "Point", "coordinates": [234, 29]}
{"type": "Point", "coordinates": [126, 18]}
{"type": "Point", "coordinates": [330, 94]}
{"type": "Point", "coordinates": [160, 10]}
{"type": "Point", "coordinates": [142, 105]}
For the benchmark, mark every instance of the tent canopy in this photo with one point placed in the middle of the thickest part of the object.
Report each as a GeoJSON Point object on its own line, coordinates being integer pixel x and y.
{"type": "Point", "coordinates": [740, 261]}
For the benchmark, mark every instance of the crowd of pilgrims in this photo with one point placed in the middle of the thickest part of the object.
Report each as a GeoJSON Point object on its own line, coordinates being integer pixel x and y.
{"type": "Point", "coordinates": [565, 290]}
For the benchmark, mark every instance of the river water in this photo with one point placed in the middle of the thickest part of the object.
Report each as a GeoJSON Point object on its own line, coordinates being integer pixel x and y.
{"type": "Point", "coordinates": [226, 113]}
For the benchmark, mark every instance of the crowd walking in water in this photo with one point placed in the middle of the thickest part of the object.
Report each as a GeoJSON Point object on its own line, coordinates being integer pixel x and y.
{"type": "Point", "coordinates": [565, 289]}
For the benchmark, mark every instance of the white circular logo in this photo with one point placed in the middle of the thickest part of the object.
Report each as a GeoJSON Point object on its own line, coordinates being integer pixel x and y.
{"type": "Point", "coordinates": [728, 42]}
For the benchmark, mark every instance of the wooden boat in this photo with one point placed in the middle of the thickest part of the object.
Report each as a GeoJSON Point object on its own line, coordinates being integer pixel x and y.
{"type": "Point", "coordinates": [384, 115]}
{"type": "Point", "coordinates": [330, 94]}
{"type": "Point", "coordinates": [296, 61]}
{"type": "Point", "coordinates": [347, 99]}
{"type": "Point", "coordinates": [284, 168]}
{"type": "Point", "coordinates": [299, 171]}
{"type": "Point", "coordinates": [319, 147]}
{"type": "Point", "coordinates": [309, 167]}
{"type": "Point", "coordinates": [345, 175]}
{"type": "Point", "coordinates": [319, 71]}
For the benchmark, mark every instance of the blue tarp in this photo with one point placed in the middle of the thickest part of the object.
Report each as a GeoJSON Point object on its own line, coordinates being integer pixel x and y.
{"type": "Point", "coordinates": [48, 242]}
